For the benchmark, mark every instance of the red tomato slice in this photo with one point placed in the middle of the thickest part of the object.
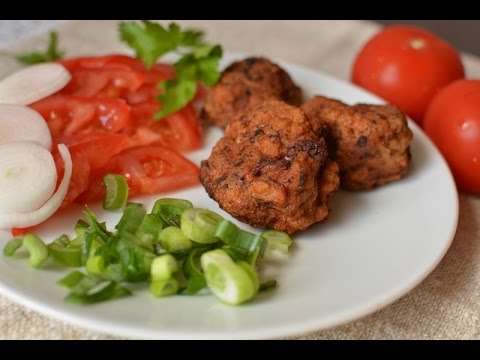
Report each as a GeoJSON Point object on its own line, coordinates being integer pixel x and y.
{"type": "Point", "coordinates": [103, 82]}
{"type": "Point", "coordinates": [68, 115]}
{"type": "Point", "coordinates": [107, 61]}
{"type": "Point", "coordinates": [148, 170]}
{"type": "Point", "coordinates": [98, 147]}
{"type": "Point", "coordinates": [80, 175]}
{"type": "Point", "coordinates": [180, 131]}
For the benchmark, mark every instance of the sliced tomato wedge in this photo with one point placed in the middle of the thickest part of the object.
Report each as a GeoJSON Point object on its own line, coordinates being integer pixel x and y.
{"type": "Point", "coordinates": [180, 131]}
{"type": "Point", "coordinates": [98, 147]}
{"type": "Point", "coordinates": [148, 170]}
{"type": "Point", "coordinates": [69, 115]}
{"type": "Point", "coordinates": [106, 82]}
{"type": "Point", "coordinates": [116, 61]}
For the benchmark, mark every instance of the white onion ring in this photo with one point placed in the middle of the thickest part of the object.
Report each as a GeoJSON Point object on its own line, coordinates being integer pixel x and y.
{"type": "Point", "coordinates": [33, 83]}
{"type": "Point", "coordinates": [9, 220]}
{"type": "Point", "coordinates": [20, 123]}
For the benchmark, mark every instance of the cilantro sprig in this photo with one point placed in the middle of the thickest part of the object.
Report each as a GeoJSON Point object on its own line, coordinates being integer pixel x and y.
{"type": "Point", "coordinates": [198, 61]}
{"type": "Point", "coordinates": [52, 53]}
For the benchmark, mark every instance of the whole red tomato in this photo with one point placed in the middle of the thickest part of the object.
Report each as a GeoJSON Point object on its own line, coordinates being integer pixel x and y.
{"type": "Point", "coordinates": [452, 121]}
{"type": "Point", "coordinates": [407, 66]}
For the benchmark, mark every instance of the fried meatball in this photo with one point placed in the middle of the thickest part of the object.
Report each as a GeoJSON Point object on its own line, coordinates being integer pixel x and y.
{"type": "Point", "coordinates": [271, 170]}
{"type": "Point", "coordinates": [370, 143]}
{"type": "Point", "coordinates": [245, 84]}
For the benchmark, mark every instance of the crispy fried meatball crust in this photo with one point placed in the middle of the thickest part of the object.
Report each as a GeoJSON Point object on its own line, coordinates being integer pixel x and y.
{"type": "Point", "coordinates": [370, 143]}
{"type": "Point", "coordinates": [246, 84]}
{"type": "Point", "coordinates": [271, 170]}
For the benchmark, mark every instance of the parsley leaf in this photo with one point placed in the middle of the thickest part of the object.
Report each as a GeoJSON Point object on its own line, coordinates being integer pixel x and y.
{"type": "Point", "coordinates": [198, 63]}
{"type": "Point", "coordinates": [51, 54]}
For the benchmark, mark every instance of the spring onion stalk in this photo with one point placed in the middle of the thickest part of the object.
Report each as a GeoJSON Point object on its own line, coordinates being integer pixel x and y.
{"type": "Point", "coordinates": [152, 224]}
{"type": "Point", "coordinates": [277, 241]}
{"type": "Point", "coordinates": [163, 267]}
{"type": "Point", "coordinates": [174, 241]}
{"type": "Point", "coordinates": [132, 218]}
{"type": "Point", "coordinates": [20, 123]}
{"type": "Point", "coordinates": [12, 246]}
{"type": "Point", "coordinates": [63, 240]}
{"type": "Point", "coordinates": [116, 191]}
{"type": "Point", "coordinates": [170, 210]}
{"type": "Point", "coordinates": [196, 279]}
{"type": "Point", "coordinates": [243, 244]}
{"type": "Point", "coordinates": [228, 281]}
{"type": "Point", "coordinates": [95, 265]}
{"type": "Point", "coordinates": [67, 256]}
{"type": "Point", "coordinates": [164, 287]}
{"type": "Point", "coordinates": [33, 83]}
{"type": "Point", "coordinates": [199, 225]}
{"type": "Point", "coordinates": [37, 249]}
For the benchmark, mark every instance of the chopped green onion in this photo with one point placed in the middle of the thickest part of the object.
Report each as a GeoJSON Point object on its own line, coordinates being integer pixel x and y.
{"type": "Point", "coordinates": [199, 225]}
{"type": "Point", "coordinates": [243, 244]}
{"type": "Point", "coordinates": [95, 265]}
{"type": "Point", "coordinates": [163, 267]}
{"type": "Point", "coordinates": [71, 280]}
{"type": "Point", "coordinates": [116, 191]}
{"type": "Point", "coordinates": [152, 224]}
{"type": "Point", "coordinates": [37, 249]}
{"type": "Point", "coordinates": [132, 218]}
{"type": "Point", "coordinates": [12, 246]}
{"type": "Point", "coordinates": [277, 241]}
{"type": "Point", "coordinates": [229, 281]}
{"type": "Point", "coordinates": [250, 270]}
{"type": "Point", "coordinates": [170, 210]}
{"type": "Point", "coordinates": [164, 287]}
{"type": "Point", "coordinates": [196, 279]}
{"type": "Point", "coordinates": [107, 290]}
{"type": "Point", "coordinates": [99, 229]}
{"type": "Point", "coordinates": [62, 240]}
{"type": "Point", "coordinates": [173, 240]}
{"type": "Point", "coordinates": [68, 256]}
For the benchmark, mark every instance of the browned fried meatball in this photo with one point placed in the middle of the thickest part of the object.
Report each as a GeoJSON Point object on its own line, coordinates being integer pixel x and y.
{"type": "Point", "coordinates": [271, 170]}
{"type": "Point", "coordinates": [370, 143]}
{"type": "Point", "coordinates": [245, 84]}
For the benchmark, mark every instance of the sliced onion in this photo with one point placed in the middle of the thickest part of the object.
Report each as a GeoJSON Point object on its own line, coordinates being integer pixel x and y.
{"type": "Point", "coordinates": [27, 176]}
{"type": "Point", "coordinates": [20, 123]}
{"type": "Point", "coordinates": [33, 83]}
{"type": "Point", "coordinates": [19, 219]}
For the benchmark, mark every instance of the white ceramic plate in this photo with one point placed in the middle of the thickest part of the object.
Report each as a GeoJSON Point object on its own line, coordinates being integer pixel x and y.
{"type": "Point", "coordinates": [375, 247]}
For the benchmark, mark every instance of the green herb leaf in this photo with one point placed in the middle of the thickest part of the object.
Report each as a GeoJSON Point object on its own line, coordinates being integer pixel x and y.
{"type": "Point", "coordinates": [51, 54]}
{"type": "Point", "coordinates": [199, 62]}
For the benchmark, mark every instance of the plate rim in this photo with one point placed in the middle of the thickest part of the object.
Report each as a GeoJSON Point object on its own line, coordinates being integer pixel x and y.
{"type": "Point", "coordinates": [289, 330]}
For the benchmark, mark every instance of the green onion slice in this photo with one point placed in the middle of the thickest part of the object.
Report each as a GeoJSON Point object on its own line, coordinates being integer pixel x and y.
{"type": "Point", "coordinates": [116, 191]}
{"type": "Point", "coordinates": [199, 225]}
{"type": "Point", "coordinates": [230, 282]}
{"type": "Point", "coordinates": [37, 249]}
{"type": "Point", "coordinates": [170, 210]}
{"type": "Point", "coordinates": [164, 287]}
{"type": "Point", "coordinates": [67, 256]}
{"type": "Point", "coordinates": [132, 218]}
{"type": "Point", "coordinates": [173, 240]}
{"type": "Point", "coordinates": [12, 246]}
{"type": "Point", "coordinates": [277, 241]}
{"type": "Point", "coordinates": [163, 267]}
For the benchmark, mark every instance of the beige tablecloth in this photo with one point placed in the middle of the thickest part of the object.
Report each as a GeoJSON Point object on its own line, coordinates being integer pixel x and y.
{"type": "Point", "coordinates": [444, 306]}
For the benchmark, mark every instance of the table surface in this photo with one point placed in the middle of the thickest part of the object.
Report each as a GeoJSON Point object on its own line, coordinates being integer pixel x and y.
{"type": "Point", "coordinates": [446, 305]}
